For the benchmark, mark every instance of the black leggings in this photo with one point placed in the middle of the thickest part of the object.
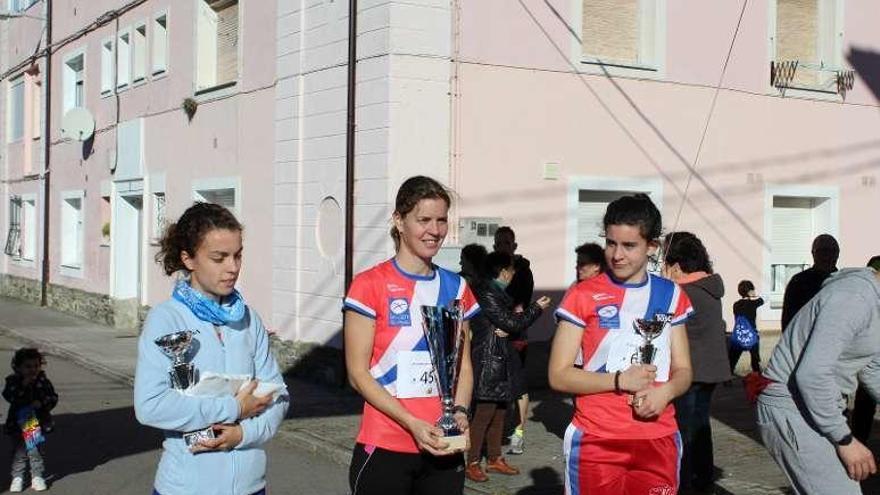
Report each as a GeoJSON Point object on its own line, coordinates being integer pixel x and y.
{"type": "Point", "coordinates": [376, 471]}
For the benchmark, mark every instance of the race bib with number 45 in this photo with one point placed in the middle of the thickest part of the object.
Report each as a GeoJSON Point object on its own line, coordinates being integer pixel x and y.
{"type": "Point", "coordinates": [415, 375]}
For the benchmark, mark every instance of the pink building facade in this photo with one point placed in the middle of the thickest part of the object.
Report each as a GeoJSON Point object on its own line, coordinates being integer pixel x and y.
{"type": "Point", "coordinates": [538, 113]}
{"type": "Point", "coordinates": [559, 134]}
{"type": "Point", "coordinates": [133, 66]}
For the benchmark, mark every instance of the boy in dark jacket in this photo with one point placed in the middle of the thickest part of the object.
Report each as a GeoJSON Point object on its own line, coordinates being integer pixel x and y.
{"type": "Point", "coordinates": [31, 396]}
{"type": "Point", "coordinates": [747, 306]}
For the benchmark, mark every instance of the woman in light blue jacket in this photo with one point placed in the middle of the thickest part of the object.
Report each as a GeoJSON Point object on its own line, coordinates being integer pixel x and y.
{"type": "Point", "coordinates": [229, 338]}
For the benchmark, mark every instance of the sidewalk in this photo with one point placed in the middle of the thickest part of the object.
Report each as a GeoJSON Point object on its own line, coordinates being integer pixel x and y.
{"type": "Point", "coordinates": [325, 420]}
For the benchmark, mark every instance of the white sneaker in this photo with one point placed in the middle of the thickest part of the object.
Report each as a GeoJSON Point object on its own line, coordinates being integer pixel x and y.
{"type": "Point", "coordinates": [39, 484]}
{"type": "Point", "coordinates": [17, 485]}
{"type": "Point", "coordinates": [516, 444]}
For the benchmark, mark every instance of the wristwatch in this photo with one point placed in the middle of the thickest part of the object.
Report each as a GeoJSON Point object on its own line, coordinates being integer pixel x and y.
{"type": "Point", "coordinates": [461, 409]}
{"type": "Point", "coordinates": [843, 442]}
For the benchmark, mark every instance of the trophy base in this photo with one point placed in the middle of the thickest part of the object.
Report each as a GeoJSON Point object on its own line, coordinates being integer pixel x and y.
{"type": "Point", "coordinates": [192, 438]}
{"type": "Point", "coordinates": [455, 443]}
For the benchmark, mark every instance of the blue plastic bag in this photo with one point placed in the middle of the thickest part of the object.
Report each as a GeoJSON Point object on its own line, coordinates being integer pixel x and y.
{"type": "Point", "coordinates": [744, 335]}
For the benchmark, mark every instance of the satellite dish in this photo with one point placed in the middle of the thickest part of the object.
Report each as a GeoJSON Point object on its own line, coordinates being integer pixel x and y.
{"type": "Point", "coordinates": [77, 124]}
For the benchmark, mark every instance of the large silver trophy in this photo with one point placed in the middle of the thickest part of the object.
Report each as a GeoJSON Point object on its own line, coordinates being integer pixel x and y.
{"type": "Point", "coordinates": [649, 330]}
{"type": "Point", "coordinates": [176, 345]}
{"type": "Point", "coordinates": [445, 338]}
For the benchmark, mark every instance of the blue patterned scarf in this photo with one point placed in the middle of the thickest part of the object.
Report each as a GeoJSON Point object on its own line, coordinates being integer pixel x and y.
{"type": "Point", "coordinates": [205, 308]}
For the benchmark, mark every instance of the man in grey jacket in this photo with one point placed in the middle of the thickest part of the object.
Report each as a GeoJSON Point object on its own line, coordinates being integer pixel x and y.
{"type": "Point", "coordinates": [833, 340]}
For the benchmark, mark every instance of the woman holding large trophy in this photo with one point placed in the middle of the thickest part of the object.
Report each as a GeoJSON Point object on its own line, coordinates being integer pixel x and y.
{"type": "Point", "coordinates": [205, 334]}
{"type": "Point", "coordinates": [408, 354]}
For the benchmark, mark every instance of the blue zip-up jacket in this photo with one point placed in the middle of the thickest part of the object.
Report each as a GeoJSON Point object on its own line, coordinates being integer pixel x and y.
{"type": "Point", "coordinates": [244, 349]}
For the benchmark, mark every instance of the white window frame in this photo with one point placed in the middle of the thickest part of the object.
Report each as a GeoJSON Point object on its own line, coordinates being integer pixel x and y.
{"type": "Point", "coordinates": [216, 89]}
{"type": "Point", "coordinates": [160, 68]}
{"type": "Point", "coordinates": [835, 14]}
{"type": "Point", "coordinates": [70, 80]}
{"type": "Point", "coordinates": [214, 184]}
{"type": "Point", "coordinates": [138, 42]}
{"type": "Point", "coordinates": [29, 225]}
{"type": "Point", "coordinates": [67, 268]}
{"type": "Point", "coordinates": [124, 53]}
{"type": "Point", "coordinates": [17, 82]}
{"type": "Point", "coordinates": [108, 66]}
{"type": "Point", "coordinates": [576, 184]}
{"type": "Point", "coordinates": [655, 68]}
{"type": "Point", "coordinates": [773, 310]}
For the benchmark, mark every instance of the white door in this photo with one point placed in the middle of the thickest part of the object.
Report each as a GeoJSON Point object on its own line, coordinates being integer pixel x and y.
{"type": "Point", "coordinates": [127, 246]}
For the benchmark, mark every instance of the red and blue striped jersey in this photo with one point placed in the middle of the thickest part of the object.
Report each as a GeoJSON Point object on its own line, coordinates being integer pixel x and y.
{"type": "Point", "coordinates": [393, 298]}
{"type": "Point", "coordinates": [606, 310]}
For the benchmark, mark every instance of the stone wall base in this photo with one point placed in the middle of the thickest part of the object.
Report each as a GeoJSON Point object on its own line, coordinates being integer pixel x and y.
{"type": "Point", "coordinates": [100, 308]}
{"type": "Point", "coordinates": [306, 360]}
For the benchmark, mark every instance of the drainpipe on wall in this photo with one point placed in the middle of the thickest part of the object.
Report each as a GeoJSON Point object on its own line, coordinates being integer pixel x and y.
{"type": "Point", "coordinates": [349, 144]}
{"type": "Point", "coordinates": [47, 146]}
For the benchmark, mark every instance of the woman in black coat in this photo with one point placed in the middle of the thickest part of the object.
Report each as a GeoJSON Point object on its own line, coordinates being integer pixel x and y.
{"type": "Point", "coordinates": [492, 354]}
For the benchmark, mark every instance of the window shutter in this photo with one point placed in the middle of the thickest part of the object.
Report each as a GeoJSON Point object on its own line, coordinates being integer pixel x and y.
{"type": "Point", "coordinates": [107, 62]}
{"type": "Point", "coordinates": [207, 47]}
{"type": "Point", "coordinates": [611, 30]}
{"type": "Point", "coordinates": [16, 130]}
{"type": "Point", "coordinates": [28, 230]}
{"type": "Point", "coordinates": [792, 230]}
{"type": "Point", "coordinates": [589, 226]}
{"type": "Point", "coordinates": [591, 210]}
{"type": "Point", "coordinates": [797, 28]}
{"type": "Point", "coordinates": [227, 44]}
{"type": "Point", "coordinates": [160, 44]}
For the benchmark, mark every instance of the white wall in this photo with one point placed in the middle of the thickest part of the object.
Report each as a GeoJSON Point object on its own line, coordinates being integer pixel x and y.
{"type": "Point", "coordinates": [402, 129]}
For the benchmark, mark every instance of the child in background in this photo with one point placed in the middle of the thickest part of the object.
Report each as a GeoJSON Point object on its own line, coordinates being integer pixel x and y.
{"type": "Point", "coordinates": [31, 397]}
{"type": "Point", "coordinates": [748, 307]}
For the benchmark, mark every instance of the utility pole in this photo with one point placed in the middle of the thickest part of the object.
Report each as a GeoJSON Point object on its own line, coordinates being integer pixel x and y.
{"type": "Point", "coordinates": [47, 146]}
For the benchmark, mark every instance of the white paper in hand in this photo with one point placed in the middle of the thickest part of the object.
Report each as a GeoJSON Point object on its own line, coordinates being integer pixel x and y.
{"type": "Point", "coordinates": [212, 384]}
{"type": "Point", "coordinates": [219, 384]}
{"type": "Point", "coordinates": [268, 388]}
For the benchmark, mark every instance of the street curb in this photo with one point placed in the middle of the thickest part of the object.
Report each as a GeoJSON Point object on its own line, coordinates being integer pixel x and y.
{"type": "Point", "coordinates": [298, 437]}
{"type": "Point", "coordinates": [76, 357]}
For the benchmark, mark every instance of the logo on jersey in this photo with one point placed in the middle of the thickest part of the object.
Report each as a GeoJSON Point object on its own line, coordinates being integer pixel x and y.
{"type": "Point", "coordinates": [609, 316]}
{"type": "Point", "coordinates": [601, 296]}
{"type": "Point", "coordinates": [394, 288]}
{"type": "Point", "coordinates": [398, 312]}
{"type": "Point", "coordinates": [662, 490]}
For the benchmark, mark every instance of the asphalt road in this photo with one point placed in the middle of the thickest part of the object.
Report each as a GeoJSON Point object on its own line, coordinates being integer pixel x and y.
{"type": "Point", "coordinates": [99, 448]}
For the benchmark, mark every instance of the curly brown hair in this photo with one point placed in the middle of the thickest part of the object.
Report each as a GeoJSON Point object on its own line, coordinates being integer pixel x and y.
{"type": "Point", "coordinates": [187, 234]}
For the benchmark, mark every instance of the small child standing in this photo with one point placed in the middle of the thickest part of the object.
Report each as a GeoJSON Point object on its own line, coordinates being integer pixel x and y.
{"type": "Point", "coordinates": [31, 397]}
{"type": "Point", "coordinates": [747, 306]}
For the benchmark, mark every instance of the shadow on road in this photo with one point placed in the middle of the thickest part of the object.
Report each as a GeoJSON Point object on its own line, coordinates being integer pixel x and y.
{"type": "Point", "coordinates": [545, 481]}
{"type": "Point", "coordinates": [82, 442]}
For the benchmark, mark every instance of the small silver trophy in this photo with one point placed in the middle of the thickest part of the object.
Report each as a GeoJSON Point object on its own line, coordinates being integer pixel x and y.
{"type": "Point", "coordinates": [649, 330]}
{"type": "Point", "coordinates": [175, 345]}
{"type": "Point", "coordinates": [183, 375]}
{"type": "Point", "coordinates": [445, 338]}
